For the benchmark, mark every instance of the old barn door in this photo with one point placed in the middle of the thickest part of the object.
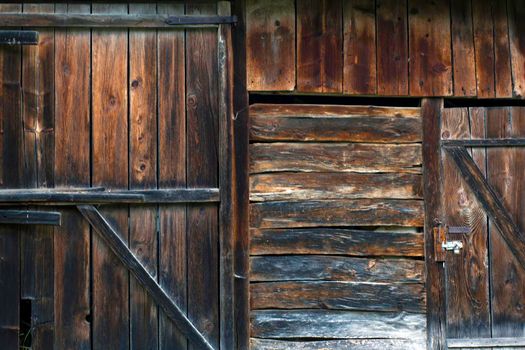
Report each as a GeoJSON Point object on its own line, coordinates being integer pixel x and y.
{"type": "Point", "coordinates": [481, 237]}
{"type": "Point", "coordinates": [120, 121]}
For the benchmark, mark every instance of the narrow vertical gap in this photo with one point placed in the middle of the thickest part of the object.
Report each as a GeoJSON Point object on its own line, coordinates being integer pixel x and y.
{"type": "Point", "coordinates": [129, 167]}
{"type": "Point", "coordinates": [25, 324]}
{"type": "Point", "coordinates": [452, 50]}
{"type": "Point", "coordinates": [489, 251]}
{"type": "Point", "coordinates": [494, 76]}
{"type": "Point", "coordinates": [92, 316]}
{"type": "Point", "coordinates": [157, 175]}
{"type": "Point", "coordinates": [510, 48]}
{"type": "Point", "coordinates": [186, 206]}
{"type": "Point", "coordinates": [474, 44]}
{"type": "Point", "coordinates": [407, 11]}
{"type": "Point", "coordinates": [375, 47]}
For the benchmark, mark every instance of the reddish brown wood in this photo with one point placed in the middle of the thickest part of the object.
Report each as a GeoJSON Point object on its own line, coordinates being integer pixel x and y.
{"type": "Point", "coordinates": [502, 65]}
{"type": "Point", "coordinates": [319, 46]}
{"type": "Point", "coordinates": [516, 12]}
{"type": "Point", "coordinates": [482, 18]}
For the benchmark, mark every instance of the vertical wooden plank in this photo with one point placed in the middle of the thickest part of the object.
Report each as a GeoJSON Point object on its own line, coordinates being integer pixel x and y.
{"type": "Point", "coordinates": [359, 76]}
{"type": "Point", "coordinates": [319, 46]}
{"type": "Point", "coordinates": [38, 118]}
{"type": "Point", "coordinates": [202, 171]}
{"type": "Point", "coordinates": [463, 48]}
{"type": "Point", "coordinates": [143, 173]}
{"type": "Point", "coordinates": [430, 67]}
{"type": "Point", "coordinates": [431, 110]}
{"type": "Point", "coordinates": [392, 47]}
{"type": "Point", "coordinates": [505, 174]}
{"type": "Point", "coordinates": [468, 304]}
{"type": "Point", "coordinates": [484, 47]}
{"type": "Point", "coordinates": [10, 152]}
{"type": "Point", "coordinates": [72, 169]}
{"type": "Point", "coordinates": [270, 46]}
{"type": "Point", "coordinates": [110, 170]}
{"type": "Point", "coordinates": [516, 13]}
{"type": "Point", "coordinates": [172, 171]}
{"type": "Point", "coordinates": [502, 72]}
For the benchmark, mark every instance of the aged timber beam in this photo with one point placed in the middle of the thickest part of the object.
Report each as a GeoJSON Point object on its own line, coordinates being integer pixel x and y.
{"type": "Point", "coordinates": [86, 196]}
{"type": "Point", "coordinates": [18, 37]}
{"type": "Point", "coordinates": [126, 257]}
{"type": "Point", "coordinates": [490, 201]}
{"type": "Point", "coordinates": [107, 21]}
{"type": "Point", "coordinates": [478, 343]}
{"type": "Point", "coordinates": [517, 142]}
{"type": "Point", "coordinates": [30, 217]}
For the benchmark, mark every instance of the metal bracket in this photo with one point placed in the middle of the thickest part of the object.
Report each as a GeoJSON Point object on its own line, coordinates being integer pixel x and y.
{"type": "Point", "coordinates": [442, 246]}
{"type": "Point", "coordinates": [454, 246]}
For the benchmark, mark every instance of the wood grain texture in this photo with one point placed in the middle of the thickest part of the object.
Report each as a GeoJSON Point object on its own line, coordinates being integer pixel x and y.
{"type": "Point", "coordinates": [463, 48]}
{"type": "Point", "coordinates": [335, 241]}
{"type": "Point", "coordinates": [430, 69]}
{"type": "Point", "coordinates": [334, 123]}
{"type": "Point", "coordinates": [283, 324]}
{"type": "Point", "coordinates": [270, 45]}
{"type": "Point", "coordinates": [516, 11]}
{"type": "Point", "coordinates": [10, 153]}
{"type": "Point", "coordinates": [359, 26]}
{"type": "Point", "coordinates": [142, 85]}
{"type": "Point", "coordinates": [110, 170]}
{"type": "Point", "coordinates": [354, 344]}
{"type": "Point", "coordinates": [335, 157]}
{"type": "Point", "coordinates": [319, 46]}
{"type": "Point", "coordinates": [313, 213]}
{"type": "Point", "coordinates": [392, 48]}
{"type": "Point", "coordinates": [172, 172]}
{"type": "Point", "coordinates": [483, 24]}
{"type": "Point", "coordinates": [335, 268]}
{"type": "Point", "coordinates": [337, 295]}
{"type": "Point", "coordinates": [304, 186]}
{"type": "Point", "coordinates": [72, 169]}
{"type": "Point", "coordinates": [502, 65]}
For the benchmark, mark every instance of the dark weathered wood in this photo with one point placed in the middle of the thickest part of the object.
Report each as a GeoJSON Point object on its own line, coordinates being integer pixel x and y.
{"type": "Point", "coordinates": [486, 343]}
{"type": "Point", "coordinates": [436, 307]}
{"type": "Point", "coordinates": [359, 28]}
{"type": "Point", "coordinates": [516, 13]}
{"type": "Point", "coordinates": [337, 324]}
{"type": "Point", "coordinates": [172, 172]}
{"type": "Point", "coordinates": [30, 217]}
{"type": "Point", "coordinates": [72, 169]}
{"type": "Point", "coordinates": [356, 344]}
{"type": "Point", "coordinates": [463, 48]}
{"type": "Point", "coordinates": [335, 157]}
{"type": "Point", "coordinates": [392, 47]}
{"type": "Point", "coordinates": [335, 268]}
{"type": "Point", "coordinates": [490, 201]}
{"type": "Point", "coordinates": [335, 241]}
{"type": "Point", "coordinates": [202, 132]}
{"type": "Point", "coordinates": [119, 247]}
{"type": "Point", "coordinates": [482, 19]}
{"type": "Point", "coordinates": [319, 42]}
{"type": "Point", "coordinates": [495, 142]}
{"type": "Point", "coordinates": [337, 295]}
{"type": "Point", "coordinates": [97, 20]}
{"type": "Point", "coordinates": [502, 65]}
{"type": "Point", "coordinates": [386, 212]}
{"type": "Point", "coordinates": [304, 186]}
{"type": "Point", "coordinates": [18, 37]}
{"type": "Point", "coordinates": [430, 68]}
{"type": "Point", "coordinates": [334, 123]}
{"type": "Point", "coordinates": [270, 44]}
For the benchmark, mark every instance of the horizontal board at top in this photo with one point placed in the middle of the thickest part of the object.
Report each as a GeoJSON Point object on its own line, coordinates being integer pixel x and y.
{"type": "Point", "coordinates": [335, 123]}
{"type": "Point", "coordinates": [311, 324]}
{"type": "Point", "coordinates": [339, 344]}
{"type": "Point", "coordinates": [358, 212]}
{"type": "Point", "coordinates": [337, 241]}
{"type": "Point", "coordinates": [296, 186]}
{"type": "Point", "coordinates": [337, 295]}
{"type": "Point", "coordinates": [335, 157]}
{"type": "Point", "coordinates": [335, 268]}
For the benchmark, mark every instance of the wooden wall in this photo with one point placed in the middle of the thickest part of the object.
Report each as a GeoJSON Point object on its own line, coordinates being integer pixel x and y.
{"type": "Point", "coordinates": [387, 47]}
{"type": "Point", "coordinates": [336, 214]}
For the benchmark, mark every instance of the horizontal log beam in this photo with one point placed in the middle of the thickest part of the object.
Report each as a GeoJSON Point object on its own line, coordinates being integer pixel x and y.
{"type": "Point", "coordinates": [87, 196]}
{"type": "Point", "coordinates": [486, 343]}
{"type": "Point", "coordinates": [126, 257]}
{"type": "Point", "coordinates": [516, 142]}
{"type": "Point", "coordinates": [18, 37]}
{"type": "Point", "coordinates": [110, 21]}
{"type": "Point", "coordinates": [30, 217]}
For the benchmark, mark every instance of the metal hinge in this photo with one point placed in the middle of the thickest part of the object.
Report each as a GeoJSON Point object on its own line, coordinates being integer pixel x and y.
{"type": "Point", "coordinates": [442, 245]}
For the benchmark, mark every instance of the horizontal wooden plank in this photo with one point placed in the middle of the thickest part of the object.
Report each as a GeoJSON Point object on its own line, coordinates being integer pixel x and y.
{"type": "Point", "coordinates": [282, 324]}
{"type": "Point", "coordinates": [335, 241]}
{"type": "Point", "coordinates": [30, 217]}
{"type": "Point", "coordinates": [337, 295]}
{"type": "Point", "coordinates": [358, 212]}
{"type": "Point", "coordinates": [334, 123]}
{"type": "Point", "coordinates": [335, 268]}
{"type": "Point", "coordinates": [18, 37]}
{"type": "Point", "coordinates": [342, 344]}
{"type": "Point", "coordinates": [296, 186]}
{"type": "Point", "coordinates": [335, 157]}
{"type": "Point", "coordinates": [486, 343]}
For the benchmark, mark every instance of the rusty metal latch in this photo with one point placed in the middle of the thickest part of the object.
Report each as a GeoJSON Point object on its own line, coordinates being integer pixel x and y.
{"type": "Point", "coordinates": [442, 245]}
{"type": "Point", "coordinates": [454, 246]}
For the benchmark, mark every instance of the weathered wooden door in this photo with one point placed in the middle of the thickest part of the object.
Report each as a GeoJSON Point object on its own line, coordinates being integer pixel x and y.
{"type": "Point", "coordinates": [482, 231]}
{"type": "Point", "coordinates": [128, 125]}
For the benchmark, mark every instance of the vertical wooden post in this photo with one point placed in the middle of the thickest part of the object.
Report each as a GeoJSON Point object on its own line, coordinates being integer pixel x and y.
{"type": "Point", "coordinates": [436, 308]}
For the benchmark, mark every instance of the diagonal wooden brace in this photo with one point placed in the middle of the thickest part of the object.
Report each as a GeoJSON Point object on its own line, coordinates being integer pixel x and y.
{"type": "Point", "coordinates": [119, 247]}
